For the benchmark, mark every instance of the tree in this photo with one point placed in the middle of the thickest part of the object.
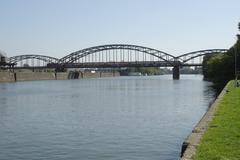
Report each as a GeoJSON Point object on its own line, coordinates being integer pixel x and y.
{"type": "Point", "coordinates": [220, 68]}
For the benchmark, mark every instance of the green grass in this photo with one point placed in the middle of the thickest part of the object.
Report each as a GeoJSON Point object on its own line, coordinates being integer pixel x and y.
{"type": "Point", "coordinates": [222, 139]}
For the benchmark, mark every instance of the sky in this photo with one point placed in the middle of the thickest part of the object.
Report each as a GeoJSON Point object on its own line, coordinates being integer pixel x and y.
{"type": "Point", "coordinates": [59, 27]}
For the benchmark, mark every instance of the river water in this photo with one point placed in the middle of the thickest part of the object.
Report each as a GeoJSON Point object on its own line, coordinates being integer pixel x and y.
{"type": "Point", "coordinates": [120, 118]}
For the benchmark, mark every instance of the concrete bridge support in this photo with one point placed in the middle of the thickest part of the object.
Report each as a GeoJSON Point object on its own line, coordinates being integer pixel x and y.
{"type": "Point", "coordinates": [176, 73]}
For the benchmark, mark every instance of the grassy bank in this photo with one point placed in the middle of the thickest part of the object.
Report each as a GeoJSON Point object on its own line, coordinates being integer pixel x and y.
{"type": "Point", "coordinates": [222, 139]}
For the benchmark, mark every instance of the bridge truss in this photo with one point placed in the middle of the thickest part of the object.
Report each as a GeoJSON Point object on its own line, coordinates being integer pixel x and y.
{"type": "Point", "coordinates": [31, 60]}
{"type": "Point", "coordinates": [196, 57]}
{"type": "Point", "coordinates": [115, 55]}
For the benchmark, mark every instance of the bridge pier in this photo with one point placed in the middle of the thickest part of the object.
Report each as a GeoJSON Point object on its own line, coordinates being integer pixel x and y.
{"type": "Point", "coordinates": [176, 73]}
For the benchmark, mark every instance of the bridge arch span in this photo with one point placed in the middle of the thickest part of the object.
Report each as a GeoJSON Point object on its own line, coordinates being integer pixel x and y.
{"type": "Point", "coordinates": [192, 55]}
{"type": "Point", "coordinates": [32, 58]}
{"type": "Point", "coordinates": [124, 49]}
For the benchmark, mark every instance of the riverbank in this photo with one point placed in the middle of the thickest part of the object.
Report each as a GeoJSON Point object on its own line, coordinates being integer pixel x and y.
{"type": "Point", "coordinates": [216, 136]}
{"type": "Point", "coordinates": [33, 76]}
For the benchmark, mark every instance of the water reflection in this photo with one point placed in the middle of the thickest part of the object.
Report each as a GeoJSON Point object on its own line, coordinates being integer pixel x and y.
{"type": "Point", "coordinates": [107, 118]}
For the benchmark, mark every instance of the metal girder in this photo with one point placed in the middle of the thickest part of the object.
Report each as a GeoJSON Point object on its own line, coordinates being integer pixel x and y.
{"type": "Point", "coordinates": [73, 57]}
{"type": "Point", "coordinates": [111, 64]}
{"type": "Point", "coordinates": [166, 59]}
{"type": "Point", "coordinates": [47, 59]}
{"type": "Point", "coordinates": [191, 55]}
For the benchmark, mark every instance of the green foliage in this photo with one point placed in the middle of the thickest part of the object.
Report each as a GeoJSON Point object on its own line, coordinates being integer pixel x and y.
{"type": "Point", "coordinates": [221, 140]}
{"type": "Point", "coordinates": [220, 68]}
{"type": "Point", "coordinates": [189, 70]}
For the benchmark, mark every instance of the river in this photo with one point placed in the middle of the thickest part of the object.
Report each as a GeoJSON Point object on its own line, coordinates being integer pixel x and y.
{"type": "Point", "coordinates": [119, 118]}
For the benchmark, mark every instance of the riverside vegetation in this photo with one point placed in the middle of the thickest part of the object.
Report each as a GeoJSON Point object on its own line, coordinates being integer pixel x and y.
{"type": "Point", "coordinates": [221, 140]}
{"type": "Point", "coordinates": [220, 68]}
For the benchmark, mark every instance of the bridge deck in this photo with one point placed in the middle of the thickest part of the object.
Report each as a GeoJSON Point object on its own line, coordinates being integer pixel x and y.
{"type": "Point", "coordinates": [109, 65]}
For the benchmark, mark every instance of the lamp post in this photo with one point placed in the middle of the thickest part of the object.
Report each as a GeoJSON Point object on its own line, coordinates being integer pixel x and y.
{"type": "Point", "coordinates": [235, 55]}
{"type": "Point", "coordinates": [235, 66]}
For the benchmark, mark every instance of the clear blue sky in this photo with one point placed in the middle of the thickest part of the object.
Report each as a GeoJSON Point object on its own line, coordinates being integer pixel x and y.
{"type": "Point", "coordinates": [59, 27]}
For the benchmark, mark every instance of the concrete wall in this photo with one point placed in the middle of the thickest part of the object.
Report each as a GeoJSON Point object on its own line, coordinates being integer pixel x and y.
{"type": "Point", "coordinates": [7, 77]}
{"type": "Point", "coordinates": [79, 75]}
{"type": "Point", "coordinates": [62, 75]}
{"type": "Point", "coordinates": [106, 74]}
{"type": "Point", "coordinates": [98, 74]}
{"type": "Point", "coordinates": [116, 74]}
{"type": "Point", "coordinates": [31, 76]}
{"type": "Point", "coordinates": [90, 75]}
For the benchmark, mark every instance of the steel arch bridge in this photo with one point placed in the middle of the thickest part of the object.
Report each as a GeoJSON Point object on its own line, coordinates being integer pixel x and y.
{"type": "Point", "coordinates": [124, 55]}
{"type": "Point", "coordinates": [116, 56]}
{"type": "Point", "coordinates": [116, 52]}
{"type": "Point", "coordinates": [192, 55]}
{"type": "Point", "coordinates": [40, 60]}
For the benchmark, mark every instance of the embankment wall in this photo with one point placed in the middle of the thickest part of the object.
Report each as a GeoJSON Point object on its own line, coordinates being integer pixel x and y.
{"type": "Point", "coordinates": [31, 76]}
{"type": "Point", "coordinates": [90, 75]}
{"type": "Point", "coordinates": [98, 74]}
{"type": "Point", "coordinates": [61, 75]}
{"type": "Point", "coordinates": [7, 77]}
